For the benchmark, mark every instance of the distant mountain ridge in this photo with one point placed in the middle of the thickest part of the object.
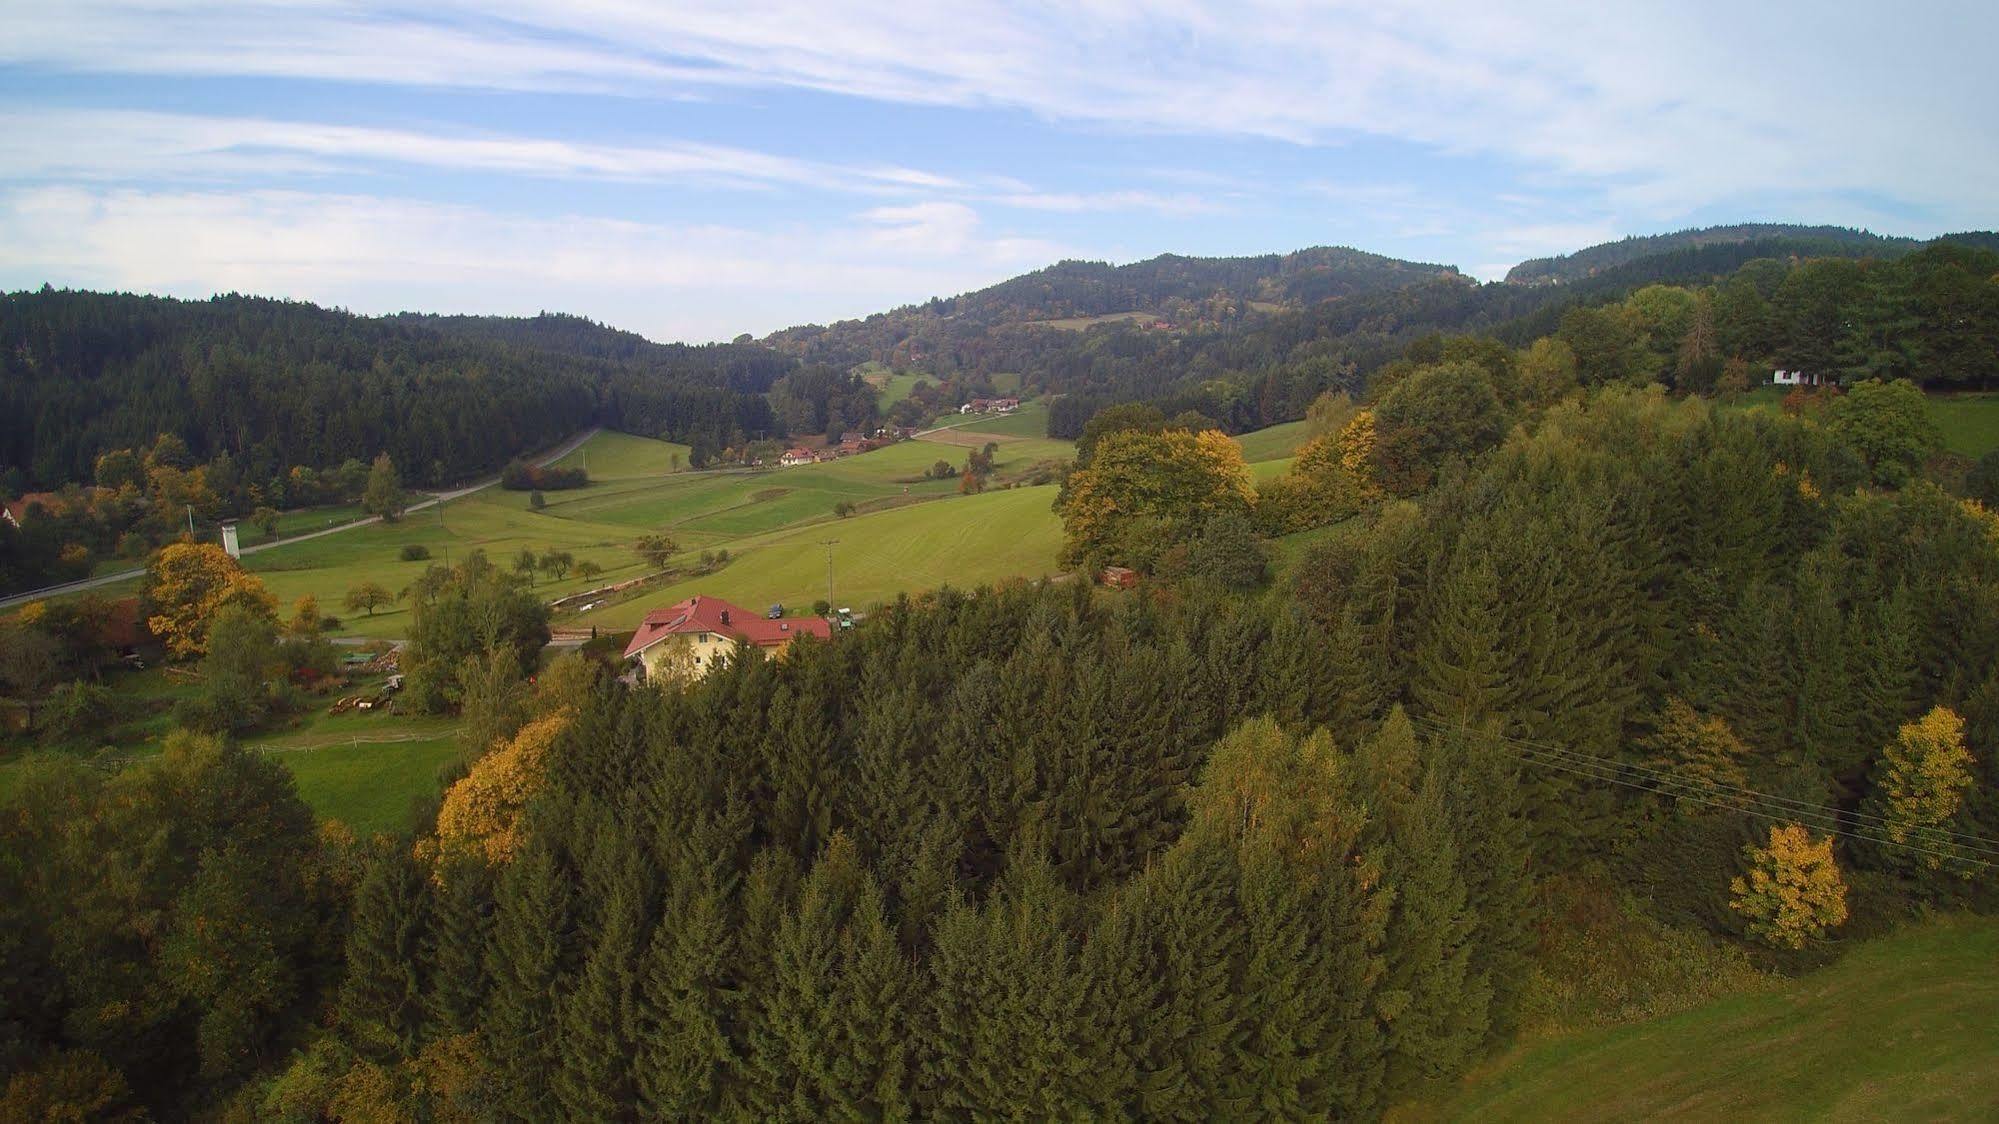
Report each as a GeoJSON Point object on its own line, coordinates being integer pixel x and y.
{"type": "Point", "coordinates": [1808, 241]}
{"type": "Point", "coordinates": [1087, 288]}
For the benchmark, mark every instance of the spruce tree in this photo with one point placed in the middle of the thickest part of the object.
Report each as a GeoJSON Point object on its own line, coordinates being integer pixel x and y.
{"type": "Point", "coordinates": [1432, 1010]}
{"type": "Point", "coordinates": [682, 1049]}
{"type": "Point", "coordinates": [381, 1007]}
{"type": "Point", "coordinates": [460, 928]}
{"type": "Point", "coordinates": [597, 1019]}
{"type": "Point", "coordinates": [528, 963]}
{"type": "Point", "coordinates": [1461, 668]}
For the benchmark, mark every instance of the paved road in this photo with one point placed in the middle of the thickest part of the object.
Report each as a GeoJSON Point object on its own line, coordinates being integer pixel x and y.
{"type": "Point", "coordinates": [560, 452]}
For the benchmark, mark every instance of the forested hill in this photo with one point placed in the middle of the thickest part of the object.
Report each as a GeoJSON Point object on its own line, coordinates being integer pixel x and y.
{"type": "Point", "coordinates": [1082, 288]}
{"type": "Point", "coordinates": [280, 383]}
{"type": "Point", "coordinates": [740, 366]}
{"type": "Point", "coordinates": [1807, 241]}
{"type": "Point", "coordinates": [1170, 293]}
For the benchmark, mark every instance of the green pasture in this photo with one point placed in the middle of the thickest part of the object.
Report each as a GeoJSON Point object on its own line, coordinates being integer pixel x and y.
{"type": "Point", "coordinates": [1969, 423]}
{"type": "Point", "coordinates": [609, 455]}
{"type": "Point", "coordinates": [890, 386]}
{"type": "Point", "coordinates": [1079, 323]}
{"type": "Point", "coordinates": [1274, 442]}
{"type": "Point", "coordinates": [1031, 420]}
{"type": "Point", "coordinates": [1905, 1027]}
{"type": "Point", "coordinates": [962, 541]}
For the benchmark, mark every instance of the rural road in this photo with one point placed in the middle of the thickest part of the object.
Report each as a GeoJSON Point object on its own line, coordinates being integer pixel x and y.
{"type": "Point", "coordinates": [560, 452]}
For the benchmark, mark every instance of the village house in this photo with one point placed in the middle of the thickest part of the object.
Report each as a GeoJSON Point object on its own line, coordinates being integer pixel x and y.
{"type": "Point", "coordinates": [691, 636]}
{"type": "Point", "coordinates": [1794, 378]}
{"type": "Point", "coordinates": [794, 457]}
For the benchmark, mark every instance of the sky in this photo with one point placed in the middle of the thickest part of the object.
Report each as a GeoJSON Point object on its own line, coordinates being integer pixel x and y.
{"type": "Point", "coordinates": [695, 170]}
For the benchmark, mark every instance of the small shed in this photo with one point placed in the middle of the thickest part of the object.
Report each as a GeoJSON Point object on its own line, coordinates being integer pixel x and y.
{"type": "Point", "coordinates": [1119, 577]}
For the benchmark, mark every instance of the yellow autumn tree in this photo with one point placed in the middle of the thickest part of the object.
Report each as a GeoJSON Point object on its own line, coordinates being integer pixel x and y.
{"type": "Point", "coordinates": [188, 584]}
{"type": "Point", "coordinates": [1792, 892]}
{"type": "Point", "coordinates": [1144, 491]}
{"type": "Point", "coordinates": [1919, 785]}
{"type": "Point", "coordinates": [483, 810]}
{"type": "Point", "coordinates": [1699, 748]}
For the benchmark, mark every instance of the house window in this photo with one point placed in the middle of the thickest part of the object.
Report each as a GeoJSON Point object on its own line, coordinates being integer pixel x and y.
{"type": "Point", "coordinates": [700, 638]}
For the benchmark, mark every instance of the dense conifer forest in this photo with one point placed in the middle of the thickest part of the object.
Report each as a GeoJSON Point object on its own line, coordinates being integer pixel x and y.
{"type": "Point", "coordinates": [1544, 686]}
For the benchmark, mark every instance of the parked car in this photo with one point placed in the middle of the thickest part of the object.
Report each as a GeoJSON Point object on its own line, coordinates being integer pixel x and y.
{"type": "Point", "coordinates": [776, 611]}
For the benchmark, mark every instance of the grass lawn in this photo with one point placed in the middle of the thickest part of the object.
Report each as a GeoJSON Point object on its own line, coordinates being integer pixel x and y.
{"type": "Point", "coordinates": [1905, 1027]}
{"type": "Point", "coordinates": [962, 541]}
{"type": "Point", "coordinates": [363, 769]}
{"type": "Point", "coordinates": [890, 386]}
{"type": "Point", "coordinates": [617, 456]}
{"type": "Point", "coordinates": [1031, 420]}
{"type": "Point", "coordinates": [1079, 323]}
{"type": "Point", "coordinates": [1272, 443]}
{"type": "Point", "coordinates": [1969, 422]}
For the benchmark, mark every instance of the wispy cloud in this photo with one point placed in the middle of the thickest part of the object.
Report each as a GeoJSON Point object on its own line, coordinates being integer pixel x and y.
{"type": "Point", "coordinates": [121, 145]}
{"type": "Point", "coordinates": [671, 280]}
{"type": "Point", "coordinates": [1652, 101]}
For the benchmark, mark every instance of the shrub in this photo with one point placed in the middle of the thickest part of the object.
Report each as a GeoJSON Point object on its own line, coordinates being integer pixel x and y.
{"type": "Point", "coordinates": [415, 552]}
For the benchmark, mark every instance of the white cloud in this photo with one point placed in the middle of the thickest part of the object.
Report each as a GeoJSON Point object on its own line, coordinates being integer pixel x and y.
{"type": "Point", "coordinates": [374, 255]}
{"type": "Point", "coordinates": [123, 145]}
{"type": "Point", "coordinates": [1663, 104]}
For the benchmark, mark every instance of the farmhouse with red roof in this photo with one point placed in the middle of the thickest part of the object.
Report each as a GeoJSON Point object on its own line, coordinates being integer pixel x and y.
{"type": "Point", "coordinates": [689, 637]}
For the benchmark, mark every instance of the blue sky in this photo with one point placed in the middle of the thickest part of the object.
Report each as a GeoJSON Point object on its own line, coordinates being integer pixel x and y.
{"type": "Point", "coordinates": [693, 170]}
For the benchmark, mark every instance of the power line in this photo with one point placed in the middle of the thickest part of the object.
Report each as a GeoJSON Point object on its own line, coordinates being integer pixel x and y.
{"type": "Point", "coordinates": [1770, 804]}
{"type": "Point", "coordinates": [1818, 816]}
{"type": "Point", "coordinates": [1665, 776]}
{"type": "Point", "coordinates": [1605, 769]}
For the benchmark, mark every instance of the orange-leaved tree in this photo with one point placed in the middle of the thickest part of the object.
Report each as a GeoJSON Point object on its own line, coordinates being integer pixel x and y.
{"type": "Point", "coordinates": [188, 584]}
{"type": "Point", "coordinates": [483, 811]}
{"type": "Point", "coordinates": [1792, 892]}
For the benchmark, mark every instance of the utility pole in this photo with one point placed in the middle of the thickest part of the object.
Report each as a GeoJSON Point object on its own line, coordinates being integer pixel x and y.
{"type": "Point", "coordinates": [828, 544]}
{"type": "Point", "coordinates": [190, 520]}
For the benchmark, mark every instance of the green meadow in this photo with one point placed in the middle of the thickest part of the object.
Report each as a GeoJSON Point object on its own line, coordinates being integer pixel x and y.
{"type": "Point", "coordinates": [621, 456]}
{"type": "Point", "coordinates": [1903, 1027]}
{"type": "Point", "coordinates": [1969, 423]}
{"type": "Point", "coordinates": [891, 386]}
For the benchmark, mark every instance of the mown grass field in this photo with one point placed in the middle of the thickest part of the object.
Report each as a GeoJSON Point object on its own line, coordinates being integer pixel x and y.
{"type": "Point", "coordinates": [1969, 423]}
{"type": "Point", "coordinates": [1905, 1027]}
{"type": "Point", "coordinates": [1274, 442]}
{"type": "Point", "coordinates": [363, 769]}
{"type": "Point", "coordinates": [1031, 420]}
{"type": "Point", "coordinates": [890, 386]}
{"type": "Point", "coordinates": [1079, 323]}
{"type": "Point", "coordinates": [609, 455]}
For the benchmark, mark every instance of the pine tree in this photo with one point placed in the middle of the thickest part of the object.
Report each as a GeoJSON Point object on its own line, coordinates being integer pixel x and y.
{"type": "Point", "coordinates": [460, 929]}
{"type": "Point", "coordinates": [528, 963]}
{"type": "Point", "coordinates": [1496, 859]}
{"type": "Point", "coordinates": [381, 1006]}
{"type": "Point", "coordinates": [1461, 666]}
{"type": "Point", "coordinates": [597, 1020]}
{"type": "Point", "coordinates": [683, 1052]}
{"type": "Point", "coordinates": [1432, 1010]}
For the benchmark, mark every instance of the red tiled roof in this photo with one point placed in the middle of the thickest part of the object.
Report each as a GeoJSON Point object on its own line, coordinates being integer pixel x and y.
{"type": "Point", "coordinates": [704, 614]}
{"type": "Point", "coordinates": [18, 509]}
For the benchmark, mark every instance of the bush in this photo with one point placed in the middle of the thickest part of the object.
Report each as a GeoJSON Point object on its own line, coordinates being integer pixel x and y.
{"type": "Point", "coordinates": [536, 500]}
{"type": "Point", "coordinates": [520, 476]}
{"type": "Point", "coordinates": [415, 552]}
{"type": "Point", "coordinates": [74, 710]}
{"type": "Point", "coordinates": [821, 607]}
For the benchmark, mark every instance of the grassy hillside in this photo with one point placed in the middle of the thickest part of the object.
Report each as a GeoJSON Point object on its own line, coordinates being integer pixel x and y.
{"type": "Point", "coordinates": [963, 541]}
{"type": "Point", "coordinates": [1905, 1027]}
{"type": "Point", "coordinates": [1031, 420]}
{"type": "Point", "coordinates": [1969, 422]}
{"type": "Point", "coordinates": [1273, 443]}
{"type": "Point", "coordinates": [619, 456]}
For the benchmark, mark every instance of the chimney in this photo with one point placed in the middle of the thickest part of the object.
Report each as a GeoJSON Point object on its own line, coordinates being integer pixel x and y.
{"type": "Point", "coordinates": [725, 616]}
